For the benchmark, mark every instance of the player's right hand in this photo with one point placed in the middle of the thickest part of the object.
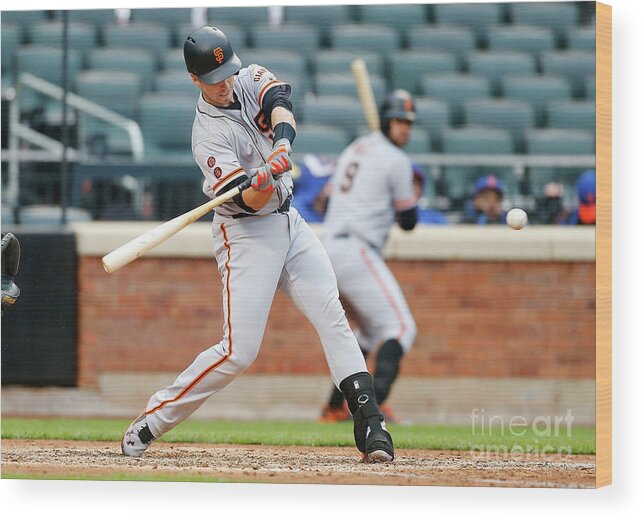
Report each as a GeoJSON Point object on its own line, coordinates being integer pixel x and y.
{"type": "Point", "coordinates": [262, 179]}
{"type": "Point", "coordinates": [279, 160]}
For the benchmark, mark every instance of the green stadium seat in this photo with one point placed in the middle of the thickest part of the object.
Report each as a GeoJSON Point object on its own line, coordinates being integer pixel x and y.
{"type": "Point", "coordinates": [25, 19]}
{"type": "Point", "coordinates": [520, 38]}
{"type": "Point", "coordinates": [558, 16]}
{"type": "Point", "coordinates": [138, 61]}
{"type": "Point", "coordinates": [165, 16]}
{"type": "Point", "coordinates": [457, 40]}
{"type": "Point", "coordinates": [556, 142]}
{"type": "Point", "coordinates": [152, 37]}
{"type": "Point", "coordinates": [590, 87]}
{"type": "Point", "coordinates": [320, 139]}
{"type": "Point", "coordinates": [344, 85]}
{"type": "Point", "coordinates": [239, 16]}
{"type": "Point", "coordinates": [81, 35]}
{"type": "Point", "coordinates": [99, 18]}
{"type": "Point", "coordinates": [572, 114]}
{"type": "Point", "coordinates": [477, 140]}
{"type": "Point", "coordinates": [290, 37]}
{"type": "Point", "coordinates": [10, 39]}
{"type": "Point", "coordinates": [362, 37]}
{"type": "Point", "coordinates": [573, 65]}
{"type": "Point", "coordinates": [176, 81]}
{"type": "Point", "coordinates": [322, 16]}
{"type": "Point", "coordinates": [432, 116]}
{"type": "Point", "coordinates": [279, 63]}
{"type": "Point", "coordinates": [47, 63]}
{"type": "Point", "coordinates": [496, 65]}
{"type": "Point", "coordinates": [476, 16]}
{"type": "Point", "coordinates": [172, 60]}
{"type": "Point", "coordinates": [515, 116]}
{"type": "Point", "coordinates": [340, 111]}
{"type": "Point", "coordinates": [460, 180]}
{"type": "Point", "coordinates": [236, 34]}
{"type": "Point", "coordinates": [582, 39]}
{"type": "Point", "coordinates": [339, 62]}
{"type": "Point", "coordinates": [166, 122]}
{"type": "Point", "coordinates": [116, 90]}
{"type": "Point", "coordinates": [396, 15]}
{"type": "Point", "coordinates": [420, 142]}
{"type": "Point", "coordinates": [455, 89]}
{"type": "Point", "coordinates": [553, 141]}
{"type": "Point", "coordinates": [400, 17]}
{"type": "Point", "coordinates": [407, 67]}
{"type": "Point", "coordinates": [537, 90]}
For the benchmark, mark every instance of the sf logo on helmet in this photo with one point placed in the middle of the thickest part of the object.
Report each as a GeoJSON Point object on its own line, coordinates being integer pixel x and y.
{"type": "Point", "coordinates": [218, 55]}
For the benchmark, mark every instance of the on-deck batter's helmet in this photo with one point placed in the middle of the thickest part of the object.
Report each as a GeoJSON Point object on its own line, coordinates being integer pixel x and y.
{"type": "Point", "coordinates": [398, 104]}
{"type": "Point", "coordinates": [208, 55]}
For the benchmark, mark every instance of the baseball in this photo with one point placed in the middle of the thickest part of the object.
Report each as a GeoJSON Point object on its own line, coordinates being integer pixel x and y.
{"type": "Point", "coordinates": [517, 218]}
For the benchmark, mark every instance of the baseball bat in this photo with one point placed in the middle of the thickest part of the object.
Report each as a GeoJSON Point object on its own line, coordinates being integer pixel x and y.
{"type": "Point", "coordinates": [365, 93]}
{"type": "Point", "coordinates": [152, 238]}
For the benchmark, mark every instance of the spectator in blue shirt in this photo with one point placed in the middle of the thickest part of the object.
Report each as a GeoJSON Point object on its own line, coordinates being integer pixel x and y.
{"type": "Point", "coordinates": [485, 207]}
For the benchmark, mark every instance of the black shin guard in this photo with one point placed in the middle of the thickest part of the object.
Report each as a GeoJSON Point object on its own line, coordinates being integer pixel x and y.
{"type": "Point", "coordinates": [370, 434]}
{"type": "Point", "coordinates": [386, 368]}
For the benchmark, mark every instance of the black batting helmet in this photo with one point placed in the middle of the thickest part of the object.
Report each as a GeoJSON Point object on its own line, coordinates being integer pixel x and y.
{"type": "Point", "coordinates": [398, 104]}
{"type": "Point", "coordinates": [208, 55]}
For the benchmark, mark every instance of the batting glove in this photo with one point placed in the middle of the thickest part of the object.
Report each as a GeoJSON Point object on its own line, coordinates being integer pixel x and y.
{"type": "Point", "coordinates": [262, 179]}
{"type": "Point", "coordinates": [279, 160]}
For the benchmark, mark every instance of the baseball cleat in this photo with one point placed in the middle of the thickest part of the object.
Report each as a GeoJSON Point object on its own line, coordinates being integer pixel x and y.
{"type": "Point", "coordinates": [389, 415]}
{"type": "Point", "coordinates": [137, 438]}
{"type": "Point", "coordinates": [332, 414]}
{"type": "Point", "coordinates": [379, 446]}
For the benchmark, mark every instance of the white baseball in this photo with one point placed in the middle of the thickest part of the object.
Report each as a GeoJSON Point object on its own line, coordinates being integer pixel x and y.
{"type": "Point", "coordinates": [517, 218]}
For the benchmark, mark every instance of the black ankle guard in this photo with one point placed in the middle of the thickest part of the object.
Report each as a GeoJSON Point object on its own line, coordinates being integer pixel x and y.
{"type": "Point", "coordinates": [387, 367]}
{"type": "Point", "coordinates": [362, 403]}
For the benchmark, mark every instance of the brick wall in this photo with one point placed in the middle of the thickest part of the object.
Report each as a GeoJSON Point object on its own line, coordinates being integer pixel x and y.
{"type": "Point", "coordinates": [483, 319]}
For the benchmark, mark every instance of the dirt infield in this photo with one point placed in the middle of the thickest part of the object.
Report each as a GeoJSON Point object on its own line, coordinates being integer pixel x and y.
{"type": "Point", "coordinates": [293, 464]}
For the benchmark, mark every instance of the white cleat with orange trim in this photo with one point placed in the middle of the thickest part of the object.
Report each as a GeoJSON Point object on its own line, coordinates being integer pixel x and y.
{"type": "Point", "coordinates": [137, 438]}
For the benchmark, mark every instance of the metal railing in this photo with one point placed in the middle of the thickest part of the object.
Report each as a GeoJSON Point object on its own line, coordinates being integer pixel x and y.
{"type": "Point", "coordinates": [18, 131]}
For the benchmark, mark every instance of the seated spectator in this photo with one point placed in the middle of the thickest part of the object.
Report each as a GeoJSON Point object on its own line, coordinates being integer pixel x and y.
{"type": "Point", "coordinates": [426, 215]}
{"type": "Point", "coordinates": [550, 208]}
{"type": "Point", "coordinates": [311, 183]}
{"type": "Point", "coordinates": [485, 207]}
{"type": "Point", "coordinates": [585, 213]}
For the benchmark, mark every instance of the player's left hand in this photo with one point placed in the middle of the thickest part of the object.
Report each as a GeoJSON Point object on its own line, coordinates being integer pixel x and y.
{"type": "Point", "coordinates": [262, 178]}
{"type": "Point", "coordinates": [279, 160]}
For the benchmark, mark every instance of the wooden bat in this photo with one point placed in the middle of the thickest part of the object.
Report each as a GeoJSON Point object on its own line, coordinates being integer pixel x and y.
{"type": "Point", "coordinates": [152, 238]}
{"type": "Point", "coordinates": [365, 93]}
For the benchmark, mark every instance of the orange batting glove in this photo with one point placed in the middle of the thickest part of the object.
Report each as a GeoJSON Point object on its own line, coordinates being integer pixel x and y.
{"type": "Point", "coordinates": [262, 179]}
{"type": "Point", "coordinates": [279, 160]}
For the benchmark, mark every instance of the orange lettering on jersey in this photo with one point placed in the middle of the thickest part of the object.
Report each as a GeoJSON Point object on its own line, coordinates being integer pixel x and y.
{"type": "Point", "coordinates": [218, 55]}
{"type": "Point", "coordinates": [408, 105]}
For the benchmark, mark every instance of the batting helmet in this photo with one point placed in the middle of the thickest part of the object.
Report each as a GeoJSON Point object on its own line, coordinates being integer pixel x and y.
{"type": "Point", "coordinates": [398, 104]}
{"type": "Point", "coordinates": [208, 55]}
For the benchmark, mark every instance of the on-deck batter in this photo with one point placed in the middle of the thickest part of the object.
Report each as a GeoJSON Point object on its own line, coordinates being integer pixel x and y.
{"type": "Point", "coordinates": [372, 188]}
{"type": "Point", "coordinates": [244, 128]}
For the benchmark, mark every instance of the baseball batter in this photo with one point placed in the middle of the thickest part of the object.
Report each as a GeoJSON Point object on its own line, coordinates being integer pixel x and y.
{"type": "Point", "coordinates": [244, 128]}
{"type": "Point", "coordinates": [372, 188]}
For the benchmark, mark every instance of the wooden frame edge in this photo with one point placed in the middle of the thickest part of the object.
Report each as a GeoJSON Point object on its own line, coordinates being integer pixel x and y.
{"type": "Point", "coordinates": [604, 245]}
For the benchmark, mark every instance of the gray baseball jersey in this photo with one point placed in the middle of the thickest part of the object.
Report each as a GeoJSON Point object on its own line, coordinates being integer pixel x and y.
{"type": "Point", "coordinates": [228, 142]}
{"type": "Point", "coordinates": [257, 255]}
{"type": "Point", "coordinates": [373, 180]}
